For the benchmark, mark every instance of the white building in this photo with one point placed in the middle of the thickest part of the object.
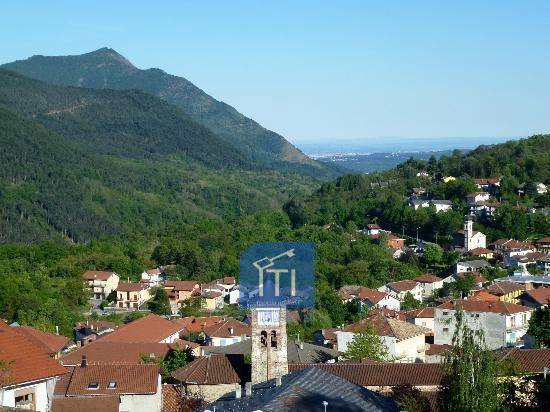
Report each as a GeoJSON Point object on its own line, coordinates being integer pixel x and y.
{"type": "Point", "coordinates": [30, 374]}
{"type": "Point", "coordinates": [100, 283]}
{"type": "Point", "coordinates": [477, 197]}
{"type": "Point", "coordinates": [400, 288]}
{"type": "Point", "coordinates": [429, 284]}
{"type": "Point", "coordinates": [422, 317]}
{"type": "Point", "coordinates": [404, 341]}
{"type": "Point", "coordinates": [441, 205]}
{"type": "Point", "coordinates": [472, 266]}
{"type": "Point", "coordinates": [153, 277]}
{"type": "Point", "coordinates": [226, 333]}
{"type": "Point", "coordinates": [503, 324]}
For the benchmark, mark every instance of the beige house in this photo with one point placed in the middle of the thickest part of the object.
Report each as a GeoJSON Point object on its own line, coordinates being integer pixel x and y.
{"type": "Point", "coordinates": [212, 299]}
{"type": "Point", "coordinates": [100, 283]}
{"type": "Point", "coordinates": [132, 295]}
{"type": "Point", "coordinates": [404, 342]}
{"type": "Point", "coordinates": [179, 291]}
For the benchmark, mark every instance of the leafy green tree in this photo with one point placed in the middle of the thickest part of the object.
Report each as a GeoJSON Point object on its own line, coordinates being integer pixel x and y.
{"type": "Point", "coordinates": [471, 373]}
{"type": "Point", "coordinates": [191, 306]}
{"type": "Point", "coordinates": [315, 320]}
{"type": "Point", "coordinates": [433, 255]}
{"type": "Point", "coordinates": [539, 326]}
{"type": "Point", "coordinates": [463, 284]}
{"type": "Point", "coordinates": [367, 344]}
{"type": "Point", "coordinates": [331, 303]}
{"type": "Point", "coordinates": [176, 359]}
{"type": "Point", "coordinates": [160, 304]}
{"type": "Point", "coordinates": [409, 302]}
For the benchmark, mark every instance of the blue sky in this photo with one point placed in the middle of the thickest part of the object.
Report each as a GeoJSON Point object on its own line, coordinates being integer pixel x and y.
{"type": "Point", "coordinates": [324, 70]}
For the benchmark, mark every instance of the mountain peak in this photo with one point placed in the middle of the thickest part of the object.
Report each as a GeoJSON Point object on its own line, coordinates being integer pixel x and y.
{"type": "Point", "coordinates": [110, 54]}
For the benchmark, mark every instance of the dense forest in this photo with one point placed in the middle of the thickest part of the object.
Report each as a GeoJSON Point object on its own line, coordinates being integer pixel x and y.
{"type": "Point", "coordinates": [107, 69]}
{"type": "Point", "coordinates": [85, 163]}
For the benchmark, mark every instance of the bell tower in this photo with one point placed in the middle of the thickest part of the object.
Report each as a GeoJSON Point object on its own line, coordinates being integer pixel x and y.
{"type": "Point", "coordinates": [468, 232]}
{"type": "Point", "coordinates": [269, 344]}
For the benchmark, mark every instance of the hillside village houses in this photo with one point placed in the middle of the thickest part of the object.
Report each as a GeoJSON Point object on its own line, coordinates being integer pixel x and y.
{"type": "Point", "coordinates": [429, 284]}
{"type": "Point", "coordinates": [369, 297]}
{"type": "Point", "coordinates": [438, 204]}
{"type": "Point", "coordinates": [100, 283]}
{"type": "Point", "coordinates": [132, 295]}
{"type": "Point", "coordinates": [153, 277]}
{"type": "Point", "coordinates": [468, 238]}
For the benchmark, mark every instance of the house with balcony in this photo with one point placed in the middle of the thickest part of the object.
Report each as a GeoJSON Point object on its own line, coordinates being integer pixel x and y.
{"type": "Point", "coordinates": [503, 324]}
{"type": "Point", "coordinates": [429, 284]}
{"type": "Point", "coordinates": [100, 283]}
{"type": "Point", "coordinates": [132, 295]}
{"type": "Point", "coordinates": [153, 277]}
{"type": "Point", "coordinates": [404, 341]}
{"type": "Point", "coordinates": [179, 291]}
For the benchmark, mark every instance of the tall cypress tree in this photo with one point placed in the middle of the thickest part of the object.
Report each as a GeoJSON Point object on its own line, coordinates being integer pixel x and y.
{"type": "Point", "coordinates": [471, 373]}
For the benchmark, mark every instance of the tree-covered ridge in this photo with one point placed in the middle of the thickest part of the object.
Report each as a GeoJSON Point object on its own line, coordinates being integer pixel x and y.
{"type": "Point", "coordinates": [106, 69]}
{"type": "Point", "coordinates": [58, 188]}
{"type": "Point", "coordinates": [123, 123]}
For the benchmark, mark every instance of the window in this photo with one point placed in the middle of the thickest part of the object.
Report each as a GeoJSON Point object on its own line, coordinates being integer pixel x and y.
{"type": "Point", "coordinates": [273, 339]}
{"type": "Point", "coordinates": [112, 385]}
{"type": "Point", "coordinates": [445, 330]}
{"type": "Point", "coordinates": [24, 400]}
{"type": "Point", "coordinates": [93, 385]}
{"type": "Point", "coordinates": [445, 313]}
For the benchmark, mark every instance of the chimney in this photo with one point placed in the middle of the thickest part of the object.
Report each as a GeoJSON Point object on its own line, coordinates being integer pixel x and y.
{"type": "Point", "coordinates": [248, 389]}
{"type": "Point", "coordinates": [56, 330]}
{"type": "Point", "coordinates": [152, 356]}
{"type": "Point", "coordinates": [238, 393]}
{"type": "Point", "coordinates": [231, 330]}
{"type": "Point", "coordinates": [301, 345]}
{"type": "Point", "coordinates": [84, 362]}
{"type": "Point", "coordinates": [278, 381]}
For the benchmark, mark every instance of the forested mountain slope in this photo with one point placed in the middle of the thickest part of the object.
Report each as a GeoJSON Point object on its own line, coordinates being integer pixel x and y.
{"type": "Point", "coordinates": [106, 69]}
{"type": "Point", "coordinates": [82, 163]}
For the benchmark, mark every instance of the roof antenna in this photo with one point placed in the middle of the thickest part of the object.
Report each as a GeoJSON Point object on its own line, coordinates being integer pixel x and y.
{"type": "Point", "coordinates": [325, 404]}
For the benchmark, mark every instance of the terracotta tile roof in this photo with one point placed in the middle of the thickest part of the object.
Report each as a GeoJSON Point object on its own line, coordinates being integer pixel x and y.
{"type": "Point", "coordinates": [150, 328]}
{"type": "Point", "coordinates": [372, 295]}
{"type": "Point", "coordinates": [231, 327]}
{"type": "Point", "coordinates": [131, 287]}
{"type": "Point", "coordinates": [171, 396]}
{"type": "Point", "coordinates": [211, 294]}
{"type": "Point", "coordinates": [479, 251]}
{"type": "Point", "coordinates": [26, 361]}
{"type": "Point", "coordinates": [130, 379]}
{"type": "Point", "coordinates": [197, 324]}
{"type": "Point", "coordinates": [543, 241]}
{"type": "Point", "coordinates": [483, 295]}
{"type": "Point", "coordinates": [381, 374]}
{"type": "Point", "coordinates": [504, 287]}
{"type": "Point", "coordinates": [156, 271]}
{"type": "Point", "coordinates": [101, 353]}
{"type": "Point", "coordinates": [50, 342]}
{"type": "Point", "coordinates": [512, 244]}
{"type": "Point", "coordinates": [97, 275]}
{"type": "Point", "coordinates": [539, 295]}
{"type": "Point", "coordinates": [428, 278]}
{"type": "Point", "coordinates": [474, 194]}
{"type": "Point", "coordinates": [384, 326]}
{"type": "Point", "coordinates": [427, 312]}
{"type": "Point", "coordinates": [528, 360]}
{"type": "Point", "coordinates": [214, 369]}
{"type": "Point", "coordinates": [402, 285]}
{"type": "Point", "coordinates": [184, 344]}
{"type": "Point", "coordinates": [96, 325]}
{"type": "Point", "coordinates": [373, 226]}
{"type": "Point", "coordinates": [434, 349]}
{"type": "Point", "coordinates": [183, 285]}
{"type": "Point", "coordinates": [86, 404]}
{"type": "Point", "coordinates": [487, 181]}
{"type": "Point", "coordinates": [483, 306]}
{"type": "Point", "coordinates": [328, 333]}
{"type": "Point", "coordinates": [228, 280]}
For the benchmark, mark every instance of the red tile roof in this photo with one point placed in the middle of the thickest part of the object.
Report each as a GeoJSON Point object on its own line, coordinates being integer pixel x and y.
{"type": "Point", "coordinates": [478, 277]}
{"type": "Point", "coordinates": [505, 287]}
{"type": "Point", "coordinates": [130, 379]}
{"type": "Point", "coordinates": [483, 306]}
{"type": "Point", "coordinates": [543, 241]}
{"type": "Point", "coordinates": [428, 312]}
{"type": "Point", "coordinates": [381, 374]}
{"type": "Point", "coordinates": [231, 327]}
{"type": "Point", "coordinates": [150, 328]}
{"type": "Point", "coordinates": [183, 285]}
{"type": "Point", "coordinates": [50, 342]}
{"type": "Point", "coordinates": [403, 285]}
{"type": "Point", "coordinates": [228, 280]}
{"type": "Point", "coordinates": [86, 404]}
{"type": "Point", "coordinates": [434, 349]}
{"type": "Point", "coordinates": [171, 398]}
{"type": "Point", "coordinates": [372, 295]}
{"type": "Point", "coordinates": [131, 287]}
{"type": "Point", "coordinates": [388, 313]}
{"type": "Point", "coordinates": [483, 295]}
{"type": "Point", "coordinates": [487, 180]}
{"type": "Point", "coordinates": [26, 361]}
{"type": "Point", "coordinates": [539, 295]}
{"type": "Point", "coordinates": [156, 271]}
{"type": "Point", "coordinates": [479, 251]}
{"type": "Point", "coordinates": [197, 324]}
{"type": "Point", "coordinates": [428, 278]}
{"type": "Point", "coordinates": [97, 275]}
{"type": "Point", "coordinates": [213, 369]}
{"type": "Point", "coordinates": [100, 352]}
{"type": "Point", "coordinates": [528, 360]}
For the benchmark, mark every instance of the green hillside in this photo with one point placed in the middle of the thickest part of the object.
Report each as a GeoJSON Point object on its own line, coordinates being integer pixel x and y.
{"type": "Point", "coordinates": [86, 163]}
{"type": "Point", "coordinates": [106, 69]}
